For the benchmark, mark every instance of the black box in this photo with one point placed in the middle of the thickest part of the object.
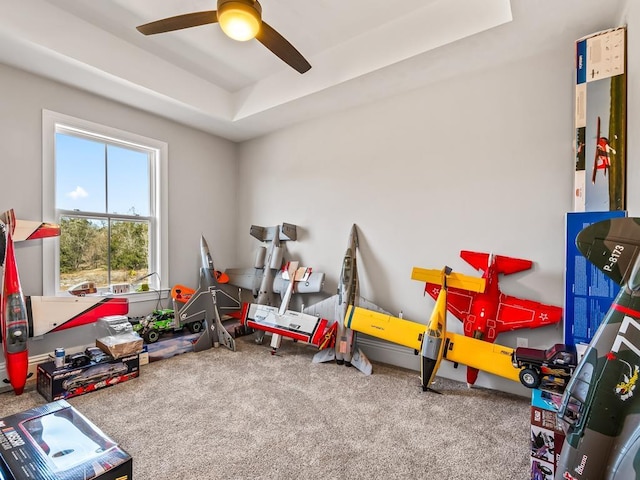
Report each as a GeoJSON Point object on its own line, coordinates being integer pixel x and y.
{"type": "Point", "coordinates": [55, 441]}
{"type": "Point", "coordinates": [66, 382]}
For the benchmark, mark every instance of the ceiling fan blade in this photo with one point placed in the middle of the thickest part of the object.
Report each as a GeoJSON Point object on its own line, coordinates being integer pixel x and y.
{"type": "Point", "coordinates": [179, 22]}
{"type": "Point", "coordinates": [282, 48]}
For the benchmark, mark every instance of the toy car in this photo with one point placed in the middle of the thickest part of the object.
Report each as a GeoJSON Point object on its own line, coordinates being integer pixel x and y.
{"type": "Point", "coordinates": [556, 363]}
{"type": "Point", "coordinates": [76, 360]}
{"type": "Point", "coordinates": [97, 355]}
{"type": "Point", "coordinates": [160, 321]}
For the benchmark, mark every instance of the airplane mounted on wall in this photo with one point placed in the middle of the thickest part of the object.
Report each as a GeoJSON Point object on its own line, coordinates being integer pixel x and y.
{"type": "Point", "coordinates": [486, 314]}
{"type": "Point", "coordinates": [600, 407]}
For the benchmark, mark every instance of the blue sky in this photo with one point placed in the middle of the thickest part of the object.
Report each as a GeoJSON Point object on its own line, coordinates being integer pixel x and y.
{"type": "Point", "coordinates": [80, 177]}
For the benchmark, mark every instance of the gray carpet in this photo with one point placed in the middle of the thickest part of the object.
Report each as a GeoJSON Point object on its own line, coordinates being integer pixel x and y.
{"type": "Point", "coordinates": [219, 414]}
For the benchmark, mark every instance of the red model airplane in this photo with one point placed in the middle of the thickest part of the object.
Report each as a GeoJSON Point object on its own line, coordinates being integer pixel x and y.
{"type": "Point", "coordinates": [484, 315]}
{"type": "Point", "coordinates": [603, 152]}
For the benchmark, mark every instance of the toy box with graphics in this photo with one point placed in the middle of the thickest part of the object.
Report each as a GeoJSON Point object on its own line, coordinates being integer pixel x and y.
{"type": "Point", "coordinates": [69, 381]}
{"type": "Point", "coordinates": [546, 435]}
{"type": "Point", "coordinates": [55, 441]}
{"type": "Point", "coordinates": [600, 122]}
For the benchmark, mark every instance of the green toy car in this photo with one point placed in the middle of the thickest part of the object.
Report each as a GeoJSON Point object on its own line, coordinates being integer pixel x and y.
{"type": "Point", "coordinates": [161, 321]}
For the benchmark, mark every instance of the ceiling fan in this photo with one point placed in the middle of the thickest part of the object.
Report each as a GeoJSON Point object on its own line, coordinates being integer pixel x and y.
{"type": "Point", "coordinates": [240, 20]}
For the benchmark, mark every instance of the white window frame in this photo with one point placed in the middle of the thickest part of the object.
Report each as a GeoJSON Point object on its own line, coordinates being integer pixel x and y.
{"type": "Point", "coordinates": [159, 238]}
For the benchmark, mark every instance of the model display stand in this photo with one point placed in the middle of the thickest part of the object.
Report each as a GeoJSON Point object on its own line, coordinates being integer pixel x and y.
{"type": "Point", "coordinates": [71, 381]}
{"type": "Point", "coordinates": [56, 442]}
{"type": "Point", "coordinates": [547, 437]}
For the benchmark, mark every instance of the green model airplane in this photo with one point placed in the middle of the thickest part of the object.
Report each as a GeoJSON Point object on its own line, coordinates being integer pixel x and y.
{"type": "Point", "coordinates": [600, 409]}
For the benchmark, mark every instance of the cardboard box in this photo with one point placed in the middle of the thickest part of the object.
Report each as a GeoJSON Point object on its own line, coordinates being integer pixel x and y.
{"type": "Point", "coordinates": [59, 383]}
{"type": "Point", "coordinates": [56, 442]}
{"type": "Point", "coordinates": [119, 347]}
{"type": "Point", "coordinates": [116, 336]}
{"type": "Point", "coordinates": [547, 437]}
{"type": "Point", "coordinates": [601, 121]}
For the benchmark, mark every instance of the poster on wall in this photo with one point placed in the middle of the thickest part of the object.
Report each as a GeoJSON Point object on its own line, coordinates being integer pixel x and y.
{"type": "Point", "coordinates": [600, 122]}
{"type": "Point", "coordinates": [588, 292]}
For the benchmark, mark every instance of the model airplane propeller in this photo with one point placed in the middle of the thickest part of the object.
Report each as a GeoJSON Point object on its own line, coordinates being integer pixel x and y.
{"type": "Point", "coordinates": [240, 20]}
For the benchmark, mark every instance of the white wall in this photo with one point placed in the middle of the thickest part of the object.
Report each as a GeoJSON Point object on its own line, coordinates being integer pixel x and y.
{"type": "Point", "coordinates": [482, 162]}
{"type": "Point", "coordinates": [202, 181]}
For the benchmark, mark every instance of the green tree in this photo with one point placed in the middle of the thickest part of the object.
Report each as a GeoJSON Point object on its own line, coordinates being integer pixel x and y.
{"type": "Point", "coordinates": [129, 245]}
{"type": "Point", "coordinates": [78, 238]}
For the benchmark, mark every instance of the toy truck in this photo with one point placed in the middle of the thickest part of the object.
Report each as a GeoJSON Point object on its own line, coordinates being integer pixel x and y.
{"type": "Point", "coordinates": [160, 321]}
{"type": "Point", "coordinates": [553, 366]}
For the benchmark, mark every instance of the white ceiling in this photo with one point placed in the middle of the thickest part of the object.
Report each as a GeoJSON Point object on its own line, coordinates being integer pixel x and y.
{"type": "Point", "coordinates": [360, 50]}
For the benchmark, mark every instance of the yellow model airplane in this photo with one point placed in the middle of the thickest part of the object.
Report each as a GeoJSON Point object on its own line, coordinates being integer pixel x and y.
{"type": "Point", "coordinates": [432, 340]}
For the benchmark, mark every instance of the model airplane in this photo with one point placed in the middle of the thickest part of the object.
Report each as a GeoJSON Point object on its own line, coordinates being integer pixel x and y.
{"type": "Point", "coordinates": [209, 303]}
{"type": "Point", "coordinates": [486, 314]}
{"type": "Point", "coordinates": [600, 407]}
{"type": "Point", "coordinates": [282, 322]}
{"type": "Point", "coordinates": [334, 309]}
{"type": "Point", "coordinates": [264, 279]}
{"type": "Point", "coordinates": [433, 341]}
{"type": "Point", "coordinates": [603, 153]}
{"type": "Point", "coordinates": [14, 326]}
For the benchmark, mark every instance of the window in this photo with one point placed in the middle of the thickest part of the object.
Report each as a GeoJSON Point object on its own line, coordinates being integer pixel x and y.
{"type": "Point", "coordinates": [107, 190]}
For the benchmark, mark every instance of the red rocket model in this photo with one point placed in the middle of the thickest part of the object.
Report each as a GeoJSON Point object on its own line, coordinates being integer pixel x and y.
{"type": "Point", "coordinates": [13, 315]}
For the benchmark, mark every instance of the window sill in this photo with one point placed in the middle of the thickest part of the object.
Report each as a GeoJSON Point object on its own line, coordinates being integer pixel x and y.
{"type": "Point", "coordinates": [136, 297]}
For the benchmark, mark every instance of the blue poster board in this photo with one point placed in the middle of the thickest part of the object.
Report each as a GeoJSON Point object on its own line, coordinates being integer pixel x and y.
{"type": "Point", "coordinates": [588, 292]}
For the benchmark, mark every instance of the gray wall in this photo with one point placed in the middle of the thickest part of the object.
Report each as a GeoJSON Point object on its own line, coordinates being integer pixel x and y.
{"type": "Point", "coordinates": [481, 162]}
{"type": "Point", "coordinates": [203, 175]}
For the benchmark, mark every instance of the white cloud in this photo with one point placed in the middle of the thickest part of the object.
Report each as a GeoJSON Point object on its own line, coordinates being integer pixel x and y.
{"type": "Point", "coordinates": [79, 192]}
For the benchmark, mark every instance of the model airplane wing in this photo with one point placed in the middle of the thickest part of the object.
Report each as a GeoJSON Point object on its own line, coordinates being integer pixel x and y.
{"type": "Point", "coordinates": [488, 357]}
{"type": "Point", "coordinates": [330, 308]}
{"type": "Point", "coordinates": [504, 265]}
{"type": "Point", "coordinates": [514, 313]}
{"type": "Point", "coordinates": [247, 278]}
{"type": "Point", "coordinates": [291, 324]}
{"type": "Point", "coordinates": [54, 314]}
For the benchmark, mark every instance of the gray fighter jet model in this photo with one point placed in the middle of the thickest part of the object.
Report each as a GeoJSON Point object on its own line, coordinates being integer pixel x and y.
{"type": "Point", "coordinates": [335, 308]}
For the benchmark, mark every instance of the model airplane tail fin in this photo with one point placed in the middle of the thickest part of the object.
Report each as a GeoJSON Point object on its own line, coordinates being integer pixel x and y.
{"type": "Point", "coordinates": [612, 245]}
{"type": "Point", "coordinates": [28, 230]}
{"type": "Point", "coordinates": [453, 279]}
{"type": "Point", "coordinates": [504, 265]}
{"type": "Point", "coordinates": [287, 231]}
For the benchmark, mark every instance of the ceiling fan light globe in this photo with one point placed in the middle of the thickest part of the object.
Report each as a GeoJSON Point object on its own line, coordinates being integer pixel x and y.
{"type": "Point", "coordinates": [239, 21]}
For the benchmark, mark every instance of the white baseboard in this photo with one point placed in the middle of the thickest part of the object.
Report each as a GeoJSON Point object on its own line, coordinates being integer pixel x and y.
{"type": "Point", "coordinates": [390, 353]}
